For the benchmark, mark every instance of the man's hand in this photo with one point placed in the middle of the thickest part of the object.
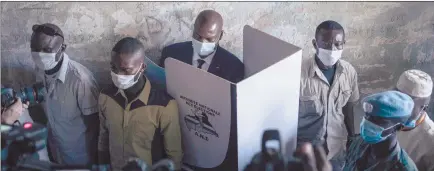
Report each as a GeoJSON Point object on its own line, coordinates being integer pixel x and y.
{"type": "Point", "coordinates": [313, 158]}
{"type": "Point", "coordinates": [13, 112]}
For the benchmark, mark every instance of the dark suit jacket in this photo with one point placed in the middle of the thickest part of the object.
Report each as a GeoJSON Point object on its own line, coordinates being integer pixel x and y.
{"type": "Point", "coordinates": [224, 64]}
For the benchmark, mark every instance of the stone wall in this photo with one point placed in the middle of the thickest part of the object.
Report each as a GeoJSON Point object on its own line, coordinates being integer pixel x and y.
{"type": "Point", "coordinates": [383, 38]}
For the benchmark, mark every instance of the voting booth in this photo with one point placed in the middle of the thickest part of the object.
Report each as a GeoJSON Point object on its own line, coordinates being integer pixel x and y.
{"type": "Point", "coordinates": [222, 122]}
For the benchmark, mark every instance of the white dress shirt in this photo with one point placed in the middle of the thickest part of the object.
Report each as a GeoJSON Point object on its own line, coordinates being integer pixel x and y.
{"type": "Point", "coordinates": [207, 60]}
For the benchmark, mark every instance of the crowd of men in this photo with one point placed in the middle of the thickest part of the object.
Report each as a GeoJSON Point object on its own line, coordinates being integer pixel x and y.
{"type": "Point", "coordinates": [105, 126]}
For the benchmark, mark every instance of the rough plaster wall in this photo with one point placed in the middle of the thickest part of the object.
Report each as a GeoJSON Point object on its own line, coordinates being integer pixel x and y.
{"type": "Point", "coordinates": [383, 38]}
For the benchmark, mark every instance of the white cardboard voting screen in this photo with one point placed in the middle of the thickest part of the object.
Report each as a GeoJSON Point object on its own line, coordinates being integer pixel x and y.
{"type": "Point", "coordinates": [268, 97]}
{"type": "Point", "coordinates": [221, 122]}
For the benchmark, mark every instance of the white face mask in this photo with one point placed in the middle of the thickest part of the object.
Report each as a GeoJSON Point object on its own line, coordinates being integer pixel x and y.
{"type": "Point", "coordinates": [45, 61]}
{"type": "Point", "coordinates": [124, 81]}
{"type": "Point", "coordinates": [202, 48]}
{"type": "Point", "coordinates": [329, 57]}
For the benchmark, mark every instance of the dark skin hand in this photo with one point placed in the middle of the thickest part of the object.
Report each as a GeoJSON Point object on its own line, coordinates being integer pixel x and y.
{"type": "Point", "coordinates": [330, 40]}
{"type": "Point", "coordinates": [41, 42]}
{"type": "Point", "coordinates": [129, 64]}
{"type": "Point", "coordinates": [208, 27]}
{"type": "Point", "coordinates": [313, 158]}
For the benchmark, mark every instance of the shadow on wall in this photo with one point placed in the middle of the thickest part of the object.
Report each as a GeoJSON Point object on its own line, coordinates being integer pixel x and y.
{"type": "Point", "coordinates": [16, 78]}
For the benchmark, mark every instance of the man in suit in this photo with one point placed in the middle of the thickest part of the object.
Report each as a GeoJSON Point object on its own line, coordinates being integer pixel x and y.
{"type": "Point", "coordinates": [204, 51]}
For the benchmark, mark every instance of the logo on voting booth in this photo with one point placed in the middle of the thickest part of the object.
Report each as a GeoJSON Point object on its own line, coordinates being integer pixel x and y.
{"type": "Point", "coordinates": [198, 120]}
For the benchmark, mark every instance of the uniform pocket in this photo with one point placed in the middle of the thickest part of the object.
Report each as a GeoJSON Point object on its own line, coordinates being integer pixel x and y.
{"type": "Point", "coordinates": [344, 95]}
{"type": "Point", "coordinates": [310, 105]}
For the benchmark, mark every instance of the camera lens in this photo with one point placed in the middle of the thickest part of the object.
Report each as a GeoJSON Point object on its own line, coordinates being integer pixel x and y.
{"type": "Point", "coordinates": [7, 96]}
{"type": "Point", "coordinates": [33, 95]}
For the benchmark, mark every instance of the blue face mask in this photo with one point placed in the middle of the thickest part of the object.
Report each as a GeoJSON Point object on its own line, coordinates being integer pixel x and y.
{"type": "Point", "coordinates": [371, 133]}
{"type": "Point", "coordinates": [412, 123]}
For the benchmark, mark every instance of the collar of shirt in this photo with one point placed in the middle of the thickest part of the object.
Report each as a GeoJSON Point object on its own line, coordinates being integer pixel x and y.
{"type": "Point", "coordinates": [360, 150]}
{"type": "Point", "coordinates": [61, 74]}
{"type": "Point", "coordinates": [427, 126]}
{"type": "Point", "coordinates": [144, 94]}
{"type": "Point", "coordinates": [314, 69]}
{"type": "Point", "coordinates": [207, 60]}
{"type": "Point", "coordinates": [374, 161]}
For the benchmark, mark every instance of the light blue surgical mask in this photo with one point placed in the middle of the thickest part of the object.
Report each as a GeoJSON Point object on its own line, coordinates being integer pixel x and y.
{"type": "Point", "coordinates": [371, 133]}
{"type": "Point", "coordinates": [412, 123]}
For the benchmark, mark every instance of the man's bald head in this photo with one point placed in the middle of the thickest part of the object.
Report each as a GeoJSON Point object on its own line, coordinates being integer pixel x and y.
{"type": "Point", "coordinates": [129, 45]}
{"type": "Point", "coordinates": [208, 26]}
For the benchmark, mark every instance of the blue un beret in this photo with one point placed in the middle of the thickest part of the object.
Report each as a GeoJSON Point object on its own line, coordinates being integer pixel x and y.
{"type": "Point", "coordinates": [388, 104]}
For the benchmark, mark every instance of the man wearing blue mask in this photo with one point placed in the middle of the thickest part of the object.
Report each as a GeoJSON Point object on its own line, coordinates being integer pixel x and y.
{"type": "Point", "coordinates": [70, 100]}
{"type": "Point", "coordinates": [377, 148]}
{"type": "Point", "coordinates": [138, 118]}
{"type": "Point", "coordinates": [417, 137]}
{"type": "Point", "coordinates": [204, 51]}
{"type": "Point", "coordinates": [328, 93]}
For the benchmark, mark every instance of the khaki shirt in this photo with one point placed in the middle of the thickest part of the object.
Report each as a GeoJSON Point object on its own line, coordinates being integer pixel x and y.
{"type": "Point", "coordinates": [419, 144]}
{"type": "Point", "coordinates": [139, 128]}
{"type": "Point", "coordinates": [320, 105]}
